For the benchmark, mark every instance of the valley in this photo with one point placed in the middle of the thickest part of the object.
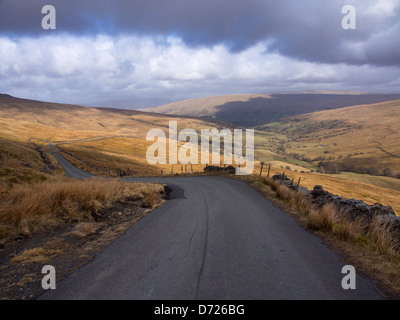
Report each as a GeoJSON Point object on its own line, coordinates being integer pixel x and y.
{"type": "Point", "coordinates": [344, 149]}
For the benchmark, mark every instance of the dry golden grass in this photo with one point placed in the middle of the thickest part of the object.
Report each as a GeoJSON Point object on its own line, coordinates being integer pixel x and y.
{"type": "Point", "coordinates": [14, 152]}
{"type": "Point", "coordinates": [322, 219]}
{"type": "Point", "coordinates": [383, 239]}
{"type": "Point", "coordinates": [30, 208]}
{"type": "Point", "coordinates": [84, 229]}
{"type": "Point", "coordinates": [36, 255]}
{"type": "Point", "coordinates": [27, 278]}
{"type": "Point", "coordinates": [351, 230]}
{"type": "Point", "coordinates": [20, 163]}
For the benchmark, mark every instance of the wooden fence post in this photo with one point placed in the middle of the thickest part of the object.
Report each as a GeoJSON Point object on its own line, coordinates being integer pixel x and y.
{"type": "Point", "coordinates": [262, 165]}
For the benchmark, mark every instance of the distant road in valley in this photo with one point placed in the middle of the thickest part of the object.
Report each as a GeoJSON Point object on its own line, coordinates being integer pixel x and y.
{"type": "Point", "coordinates": [70, 170]}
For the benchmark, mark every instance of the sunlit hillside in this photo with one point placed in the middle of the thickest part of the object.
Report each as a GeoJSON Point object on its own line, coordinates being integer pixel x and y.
{"type": "Point", "coordinates": [98, 140]}
{"type": "Point", "coordinates": [363, 139]}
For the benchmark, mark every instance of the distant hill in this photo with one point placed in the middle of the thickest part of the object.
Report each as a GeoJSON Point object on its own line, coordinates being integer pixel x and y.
{"type": "Point", "coordinates": [204, 107]}
{"type": "Point", "coordinates": [24, 118]}
{"type": "Point", "coordinates": [104, 137]}
{"type": "Point", "coordinates": [345, 92]}
{"type": "Point", "coordinates": [254, 110]}
{"type": "Point", "coordinates": [136, 103]}
{"type": "Point", "coordinates": [58, 115]}
{"type": "Point", "coordinates": [363, 139]}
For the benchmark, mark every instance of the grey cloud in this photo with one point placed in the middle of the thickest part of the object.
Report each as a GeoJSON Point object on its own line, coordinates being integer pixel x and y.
{"type": "Point", "coordinates": [307, 30]}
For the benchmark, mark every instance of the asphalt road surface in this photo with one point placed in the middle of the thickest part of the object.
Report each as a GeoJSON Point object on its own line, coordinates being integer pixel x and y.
{"type": "Point", "coordinates": [216, 239]}
{"type": "Point", "coordinates": [70, 170]}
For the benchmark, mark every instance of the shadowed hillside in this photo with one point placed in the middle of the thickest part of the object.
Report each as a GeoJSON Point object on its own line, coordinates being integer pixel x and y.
{"type": "Point", "coordinates": [203, 107]}
{"type": "Point", "coordinates": [253, 110]}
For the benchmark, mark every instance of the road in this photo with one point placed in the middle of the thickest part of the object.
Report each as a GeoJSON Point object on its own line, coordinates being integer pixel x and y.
{"type": "Point", "coordinates": [70, 170]}
{"type": "Point", "coordinates": [216, 239]}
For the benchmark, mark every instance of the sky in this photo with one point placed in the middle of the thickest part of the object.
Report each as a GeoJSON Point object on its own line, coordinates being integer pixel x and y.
{"type": "Point", "coordinates": [105, 50]}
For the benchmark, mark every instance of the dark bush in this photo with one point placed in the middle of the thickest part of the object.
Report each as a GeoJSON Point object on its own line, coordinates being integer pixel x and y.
{"type": "Point", "coordinates": [388, 172]}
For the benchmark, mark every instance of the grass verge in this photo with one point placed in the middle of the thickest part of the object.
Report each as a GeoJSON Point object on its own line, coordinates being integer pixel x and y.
{"type": "Point", "coordinates": [31, 208]}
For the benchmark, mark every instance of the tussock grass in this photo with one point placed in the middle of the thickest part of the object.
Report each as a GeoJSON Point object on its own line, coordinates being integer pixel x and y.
{"type": "Point", "coordinates": [322, 219]}
{"type": "Point", "coordinates": [26, 208]}
{"type": "Point", "coordinates": [83, 229]}
{"type": "Point", "coordinates": [383, 239]}
{"type": "Point", "coordinates": [351, 230]}
{"type": "Point", "coordinates": [333, 220]}
{"type": "Point", "coordinates": [36, 255]}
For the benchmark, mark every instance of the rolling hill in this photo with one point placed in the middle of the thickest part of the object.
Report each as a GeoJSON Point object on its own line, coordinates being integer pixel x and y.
{"type": "Point", "coordinates": [255, 110]}
{"type": "Point", "coordinates": [135, 103]}
{"type": "Point", "coordinates": [203, 107]}
{"type": "Point", "coordinates": [99, 140]}
{"type": "Point", "coordinates": [364, 138]}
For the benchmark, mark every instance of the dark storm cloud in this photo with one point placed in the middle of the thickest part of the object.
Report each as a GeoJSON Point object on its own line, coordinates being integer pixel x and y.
{"type": "Point", "coordinates": [206, 22]}
{"type": "Point", "coordinates": [306, 30]}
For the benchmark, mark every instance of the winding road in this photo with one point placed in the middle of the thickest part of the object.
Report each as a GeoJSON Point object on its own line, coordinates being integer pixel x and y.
{"type": "Point", "coordinates": [70, 170]}
{"type": "Point", "coordinates": [216, 238]}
